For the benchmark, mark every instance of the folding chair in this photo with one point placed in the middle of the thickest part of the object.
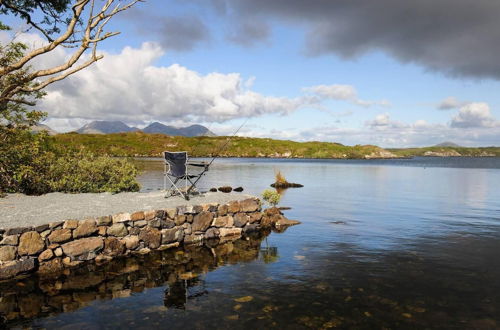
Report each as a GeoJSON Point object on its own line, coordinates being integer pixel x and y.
{"type": "Point", "coordinates": [176, 169]}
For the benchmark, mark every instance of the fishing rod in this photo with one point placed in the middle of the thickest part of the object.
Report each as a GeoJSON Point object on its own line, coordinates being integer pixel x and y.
{"type": "Point", "coordinates": [227, 142]}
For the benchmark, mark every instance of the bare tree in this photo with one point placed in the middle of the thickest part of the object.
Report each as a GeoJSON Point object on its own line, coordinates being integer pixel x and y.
{"type": "Point", "coordinates": [77, 25]}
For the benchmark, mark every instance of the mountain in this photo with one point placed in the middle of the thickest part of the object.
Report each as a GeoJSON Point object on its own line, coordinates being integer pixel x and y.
{"type": "Point", "coordinates": [41, 127]}
{"type": "Point", "coordinates": [447, 144]}
{"type": "Point", "coordinates": [105, 127]}
{"type": "Point", "coordinates": [193, 130]}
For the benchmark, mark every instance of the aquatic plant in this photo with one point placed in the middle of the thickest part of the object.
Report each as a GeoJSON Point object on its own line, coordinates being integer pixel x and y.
{"type": "Point", "coordinates": [280, 178]}
{"type": "Point", "coordinates": [271, 197]}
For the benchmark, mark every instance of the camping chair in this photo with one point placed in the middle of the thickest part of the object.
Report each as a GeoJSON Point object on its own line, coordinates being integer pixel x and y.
{"type": "Point", "coordinates": [176, 169]}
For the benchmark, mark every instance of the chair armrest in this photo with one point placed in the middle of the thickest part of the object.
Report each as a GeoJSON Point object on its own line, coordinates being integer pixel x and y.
{"type": "Point", "coordinates": [198, 164]}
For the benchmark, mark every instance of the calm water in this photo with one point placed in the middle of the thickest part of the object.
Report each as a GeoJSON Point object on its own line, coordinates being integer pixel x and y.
{"type": "Point", "coordinates": [383, 244]}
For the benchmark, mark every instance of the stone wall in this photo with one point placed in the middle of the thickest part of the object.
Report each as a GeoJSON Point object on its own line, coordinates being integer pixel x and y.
{"type": "Point", "coordinates": [52, 247]}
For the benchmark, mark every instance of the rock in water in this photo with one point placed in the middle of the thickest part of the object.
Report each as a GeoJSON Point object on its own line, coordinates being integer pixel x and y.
{"type": "Point", "coordinates": [213, 189]}
{"type": "Point", "coordinates": [225, 189]}
{"type": "Point", "coordinates": [238, 189]}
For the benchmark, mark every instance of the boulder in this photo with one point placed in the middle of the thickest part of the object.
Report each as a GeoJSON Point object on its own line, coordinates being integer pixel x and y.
{"type": "Point", "coordinates": [85, 228]}
{"type": "Point", "coordinates": [30, 243]}
{"type": "Point", "coordinates": [233, 207]}
{"type": "Point", "coordinates": [175, 234]}
{"type": "Point", "coordinates": [131, 242]}
{"type": "Point", "coordinates": [17, 231]}
{"type": "Point", "coordinates": [210, 207]}
{"type": "Point", "coordinates": [117, 229]}
{"type": "Point", "coordinates": [151, 237]}
{"type": "Point", "coordinates": [70, 224]}
{"type": "Point", "coordinates": [113, 247]}
{"type": "Point", "coordinates": [46, 255]}
{"type": "Point", "coordinates": [60, 236]}
{"type": "Point", "coordinates": [240, 219]}
{"type": "Point", "coordinates": [104, 221]}
{"type": "Point", "coordinates": [224, 221]}
{"type": "Point", "coordinates": [41, 228]}
{"type": "Point", "coordinates": [121, 217]}
{"type": "Point", "coordinates": [202, 221]}
{"type": "Point", "coordinates": [7, 253]}
{"type": "Point", "coordinates": [13, 268]}
{"type": "Point", "coordinates": [136, 216]}
{"type": "Point", "coordinates": [179, 220]}
{"type": "Point", "coordinates": [229, 232]}
{"type": "Point", "coordinates": [225, 189]}
{"type": "Point", "coordinates": [255, 217]}
{"type": "Point", "coordinates": [249, 205]}
{"type": "Point", "coordinates": [149, 215]}
{"type": "Point", "coordinates": [251, 227]}
{"type": "Point", "coordinates": [10, 240]}
{"type": "Point", "coordinates": [212, 233]}
{"type": "Point", "coordinates": [193, 238]}
{"type": "Point", "coordinates": [171, 213]}
{"type": "Point", "coordinates": [83, 249]}
{"type": "Point", "coordinates": [238, 189]}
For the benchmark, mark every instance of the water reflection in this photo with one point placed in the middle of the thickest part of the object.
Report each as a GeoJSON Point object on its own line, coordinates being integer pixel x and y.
{"type": "Point", "coordinates": [177, 270]}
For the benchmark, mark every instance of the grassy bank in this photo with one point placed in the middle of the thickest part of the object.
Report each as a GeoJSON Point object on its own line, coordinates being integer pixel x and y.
{"type": "Point", "coordinates": [448, 151]}
{"type": "Point", "coordinates": [141, 144]}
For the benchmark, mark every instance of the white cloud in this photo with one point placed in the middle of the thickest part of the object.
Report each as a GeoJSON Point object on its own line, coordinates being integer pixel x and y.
{"type": "Point", "coordinates": [449, 103]}
{"type": "Point", "coordinates": [474, 115]}
{"type": "Point", "coordinates": [344, 93]}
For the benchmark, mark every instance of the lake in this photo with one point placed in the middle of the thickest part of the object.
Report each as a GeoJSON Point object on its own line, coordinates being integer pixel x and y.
{"type": "Point", "coordinates": [409, 243]}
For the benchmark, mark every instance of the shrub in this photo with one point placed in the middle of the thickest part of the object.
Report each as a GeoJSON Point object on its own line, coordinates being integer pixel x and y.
{"type": "Point", "coordinates": [30, 164]}
{"type": "Point", "coordinates": [280, 178]}
{"type": "Point", "coordinates": [271, 197]}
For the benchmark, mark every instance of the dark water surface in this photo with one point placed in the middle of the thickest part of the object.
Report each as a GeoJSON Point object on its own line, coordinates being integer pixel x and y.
{"type": "Point", "coordinates": [383, 244]}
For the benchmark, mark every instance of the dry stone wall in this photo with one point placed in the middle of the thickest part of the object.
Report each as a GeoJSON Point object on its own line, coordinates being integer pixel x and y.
{"type": "Point", "coordinates": [55, 246]}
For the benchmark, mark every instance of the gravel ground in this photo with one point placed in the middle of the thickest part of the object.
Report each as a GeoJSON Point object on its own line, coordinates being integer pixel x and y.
{"type": "Point", "coordinates": [17, 210]}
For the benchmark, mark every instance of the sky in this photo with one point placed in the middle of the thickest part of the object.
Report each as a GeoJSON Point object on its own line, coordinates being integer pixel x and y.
{"type": "Point", "coordinates": [389, 72]}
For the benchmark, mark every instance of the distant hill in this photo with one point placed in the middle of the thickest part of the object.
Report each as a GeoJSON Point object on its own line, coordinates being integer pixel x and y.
{"type": "Point", "coordinates": [105, 127]}
{"type": "Point", "coordinates": [41, 127]}
{"type": "Point", "coordinates": [448, 144]}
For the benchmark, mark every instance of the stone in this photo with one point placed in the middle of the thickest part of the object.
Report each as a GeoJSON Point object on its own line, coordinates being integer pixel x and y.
{"type": "Point", "coordinates": [210, 207]}
{"type": "Point", "coordinates": [121, 217]}
{"type": "Point", "coordinates": [41, 228]}
{"type": "Point", "coordinates": [10, 240]}
{"type": "Point", "coordinates": [156, 223]}
{"type": "Point", "coordinates": [213, 189]}
{"type": "Point", "coordinates": [169, 224]}
{"type": "Point", "coordinates": [46, 233]}
{"type": "Point", "coordinates": [151, 237]}
{"type": "Point", "coordinates": [70, 224]}
{"type": "Point", "coordinates": [137, 216]}
{"type": "Point", "coordinates": [60, 236]}
{"type": "Point", "coordinates": [179, 220]}
{"type": "Point", "coordinates": [189, 218]}
{"type": "Point", "coordinates": [144, 251]}
{"type": "Point", "coordinates": [149, 215]}
{"type": "Point", "coordinates": [233, 207]}
{"type": "Point", "coordinates": [84, 248]}
{"type": "Point", "coordinates": [193, 238]}
{"type": "Point", "coordinates": [13, 268]}
{"type": "Point", "coordinates": [250, 227]}
{"type": "Point", "coordinates": [238, 189]}
{"type": "Point", "coordinates": [102, 259]}
{"type": "Point", "coordinates": [202, 221]}
{"type": "Point", "coordinates": [7, 253]}
{"type": "Point", "coordinates": [51, 267]}
{"type": "Point", "coordinates": [266, 221]}
{"type": "Point", "coordinates": [197, 209]}
{"type": "Point", "coordinates": [222, 210]}
{"type": "Point", "coordinates": [225, 189]}
{"type": "Point", "coordinates": [160, 214]}
{"type": "Point", "coordinates": [46, 255]}
{"type": "Point", "coordinates": [184, 209]}
{"type": "Point", "coordinates": [117, 229]}
{"type": "Point", "coordinates": [229, 232]}
{"type": "Point", "coordinates": [104, 220]}
{"type": "Point", "coordinates": [30, 243]}
{"type": "Point", "coordinates": [113, 247]}
{"type": "Point", "coordinates": [102, 230]}
{"type": "Point", "coordinates": [272, 211]}
{"type": "Point", "coordinates": [175, 234]}
{"type": "Point", "coordinates": [134, 231]}
{"type": "Point", "coordinates": [58, 252]}
{"type": "Point", "coordinates": [17, 231]}
{"type": "Point", "coordinates": [249, 205]}
{"type": "Point", "coordinates": [68, 262]}
{"type": "Point", "coordinates": [187, 228]}
{"type": "Point", "coordinates": [224, 221]}
{"type": "Point", "coordinates": [255, 217]}
{"type": "Point", "coordinates": [284, 222]}
{"type": "Point", "coordinates": [140, 223]}
{"type": "Point", "coordinates": [212, 233]}
{"type": "Point", "coordinates": [169, 246]}
{"type": "Point", "coordinates": [171, 213]}
{"type": "Point", "coordinates": [85, 228]}
{"type": "Point", "coordinates": [56, 224]}
{"type": "Point", "coordinates": [240, 219]}
{"type": "Point", "coordinates": [131, 242]}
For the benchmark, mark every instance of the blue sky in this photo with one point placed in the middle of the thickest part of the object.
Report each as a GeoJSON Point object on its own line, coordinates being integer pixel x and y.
{"type": "Point", "coordinates": [385, 71]}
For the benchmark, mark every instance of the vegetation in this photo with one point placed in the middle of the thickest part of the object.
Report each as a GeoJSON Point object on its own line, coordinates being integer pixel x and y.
{"type": "Point", "coordinates": [448, 151]}
{"type": "Point", "coordinates": [271, 196]}
{"type": "Point", "coordinates": [152, 145]}
{"type": "Point", "coordinates": [33, 164]}
{"type": "Point", "coordinates": [280, 178]}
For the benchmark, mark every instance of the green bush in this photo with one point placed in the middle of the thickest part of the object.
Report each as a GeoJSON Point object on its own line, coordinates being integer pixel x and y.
{"type": "Point", "coordinates": [30, 164]}
{"type": "Point", "coordinates": [271, 197]}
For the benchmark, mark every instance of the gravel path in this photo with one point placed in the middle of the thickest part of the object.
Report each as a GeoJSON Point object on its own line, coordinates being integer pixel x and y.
{"type": "Point", "coordinates": [17, 210]}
